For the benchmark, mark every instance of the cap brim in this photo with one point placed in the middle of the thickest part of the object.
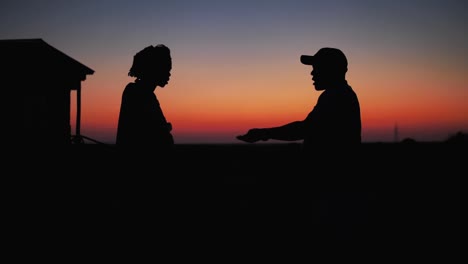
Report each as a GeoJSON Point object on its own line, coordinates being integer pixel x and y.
{"type": "Point", "coordinates": [307, 59]}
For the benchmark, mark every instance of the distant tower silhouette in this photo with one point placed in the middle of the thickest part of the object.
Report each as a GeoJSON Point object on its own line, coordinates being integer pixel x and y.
{"type": "Point", "coordinates": [395, 133]}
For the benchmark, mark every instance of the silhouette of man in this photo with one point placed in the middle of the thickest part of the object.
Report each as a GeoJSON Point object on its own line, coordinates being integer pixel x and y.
{"type": "Point", "coordinates": [335, 120]}
{"type": "Point", "coordinates": [141, 119]}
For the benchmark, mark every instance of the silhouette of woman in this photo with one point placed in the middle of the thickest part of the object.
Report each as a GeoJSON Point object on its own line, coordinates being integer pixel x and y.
{"type": "Point", "coordinates": [141, 119]}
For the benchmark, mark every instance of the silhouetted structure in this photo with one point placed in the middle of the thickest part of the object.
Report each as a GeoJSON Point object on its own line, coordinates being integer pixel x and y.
{"type": "Point", "coordinates": [38, 80]}
{"type": "Point", "coordinates": [458, 138]}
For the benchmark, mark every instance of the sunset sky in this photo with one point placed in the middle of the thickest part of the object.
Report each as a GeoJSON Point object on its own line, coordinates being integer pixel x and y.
{"type": "Point", "coordinates": [236, 63]}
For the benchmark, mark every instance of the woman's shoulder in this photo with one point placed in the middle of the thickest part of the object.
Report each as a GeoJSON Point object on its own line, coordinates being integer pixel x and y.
{"type": "Point", "coordinates": [131, 89]}
{"type": "Point", "coordinates": [130, 86]}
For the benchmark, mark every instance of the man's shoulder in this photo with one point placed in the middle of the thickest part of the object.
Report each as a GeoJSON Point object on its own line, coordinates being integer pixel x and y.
{"type": "Point", "coordinates": [344, 91]}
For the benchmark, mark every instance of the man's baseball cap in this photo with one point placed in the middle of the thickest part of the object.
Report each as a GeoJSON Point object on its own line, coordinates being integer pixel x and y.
{"type": "Point", "coordinates": [326, 56]}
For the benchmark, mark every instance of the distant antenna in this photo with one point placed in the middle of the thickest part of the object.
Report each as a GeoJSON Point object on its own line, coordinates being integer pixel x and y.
{"type": "Point", "coordinates": [395, 133]}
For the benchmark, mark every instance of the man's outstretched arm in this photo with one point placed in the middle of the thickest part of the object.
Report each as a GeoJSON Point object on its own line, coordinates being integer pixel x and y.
{"type": "Point", "coordinates": [289, 132]}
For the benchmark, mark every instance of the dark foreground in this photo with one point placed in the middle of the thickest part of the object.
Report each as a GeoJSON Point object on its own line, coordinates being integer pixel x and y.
{"type": "Point", "coordinates": [379, 194]}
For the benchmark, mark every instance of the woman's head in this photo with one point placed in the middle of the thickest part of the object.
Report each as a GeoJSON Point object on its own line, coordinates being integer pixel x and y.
{"type": "Point", "coordinates": [152, 63]}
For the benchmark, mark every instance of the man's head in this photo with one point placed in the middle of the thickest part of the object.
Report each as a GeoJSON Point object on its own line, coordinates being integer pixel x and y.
{"type": "Point", "coordinates": [153, 63]}
{"type": "Point", "coordinates": [329, 66]}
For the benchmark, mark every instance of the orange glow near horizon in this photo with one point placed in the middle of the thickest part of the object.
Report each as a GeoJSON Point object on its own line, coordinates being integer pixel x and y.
{"type": "Point", "coordinates": [207, 104]}
{"type": "Point", "coordinates": [210, 117]}
{"type": "Point", "coordinates": [236, 64]}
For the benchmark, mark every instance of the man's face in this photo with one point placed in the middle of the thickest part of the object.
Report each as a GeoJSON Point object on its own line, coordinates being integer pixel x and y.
{"type": "Point", "coordinates": [325, 75]}
{"type": "Point", "coordinates": [322, 76]}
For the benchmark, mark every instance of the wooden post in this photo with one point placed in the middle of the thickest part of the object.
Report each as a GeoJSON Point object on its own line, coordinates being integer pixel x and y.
{"type": "Point", "coordinates": [78, 112]}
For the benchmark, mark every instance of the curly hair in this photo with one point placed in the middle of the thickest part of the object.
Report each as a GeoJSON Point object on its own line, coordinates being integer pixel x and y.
{"type": "Point", "coordinates": [149, 59]}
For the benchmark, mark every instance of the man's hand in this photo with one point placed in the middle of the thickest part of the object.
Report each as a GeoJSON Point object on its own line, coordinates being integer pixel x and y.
{"type": "Point", "coordinates": [254, 135]}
